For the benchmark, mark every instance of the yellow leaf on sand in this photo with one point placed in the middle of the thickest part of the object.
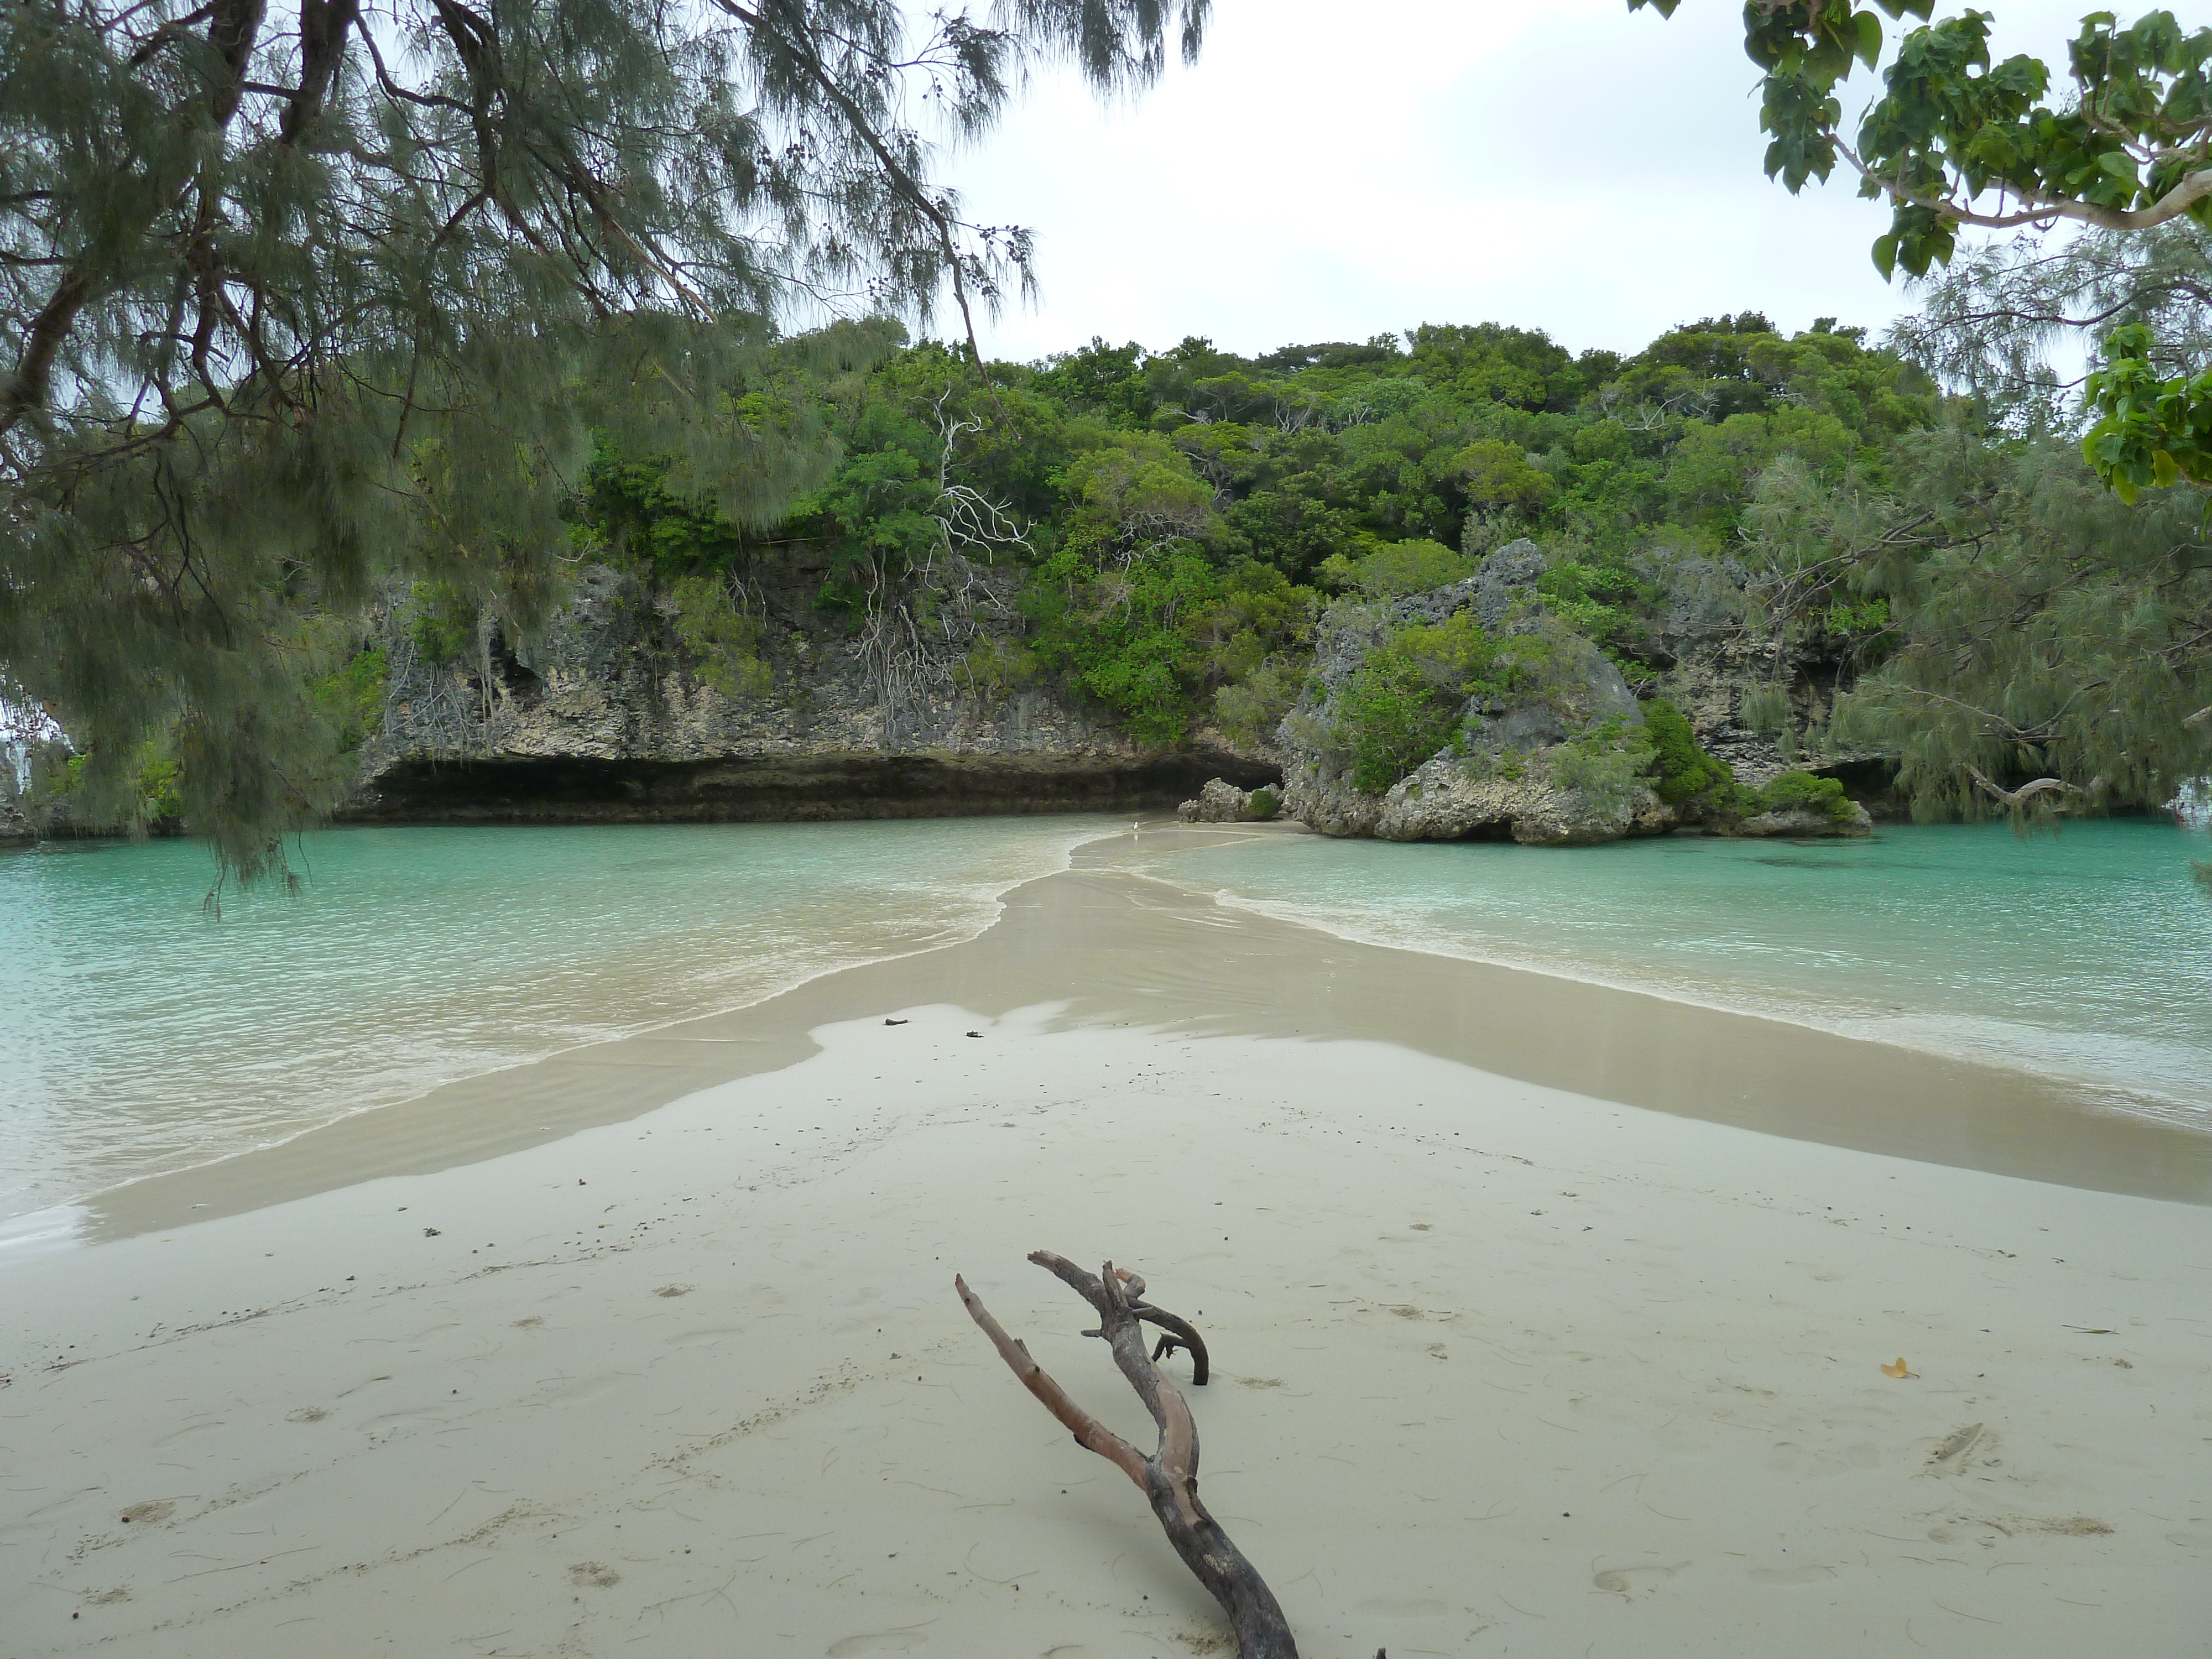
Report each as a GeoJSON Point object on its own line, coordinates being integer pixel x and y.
{"type": "Point", "coordinates": [1898, 1370]}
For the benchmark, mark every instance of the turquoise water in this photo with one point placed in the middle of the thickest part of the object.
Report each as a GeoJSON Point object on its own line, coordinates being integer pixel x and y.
{"type": "Point", "coordinates": [2087, 954]}
{"type": "Point", "coordinates": [139, 1033]}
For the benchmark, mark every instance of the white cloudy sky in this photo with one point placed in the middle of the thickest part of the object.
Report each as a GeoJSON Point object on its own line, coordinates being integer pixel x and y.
{"type": "Point", "coordinates": [1562, 165]}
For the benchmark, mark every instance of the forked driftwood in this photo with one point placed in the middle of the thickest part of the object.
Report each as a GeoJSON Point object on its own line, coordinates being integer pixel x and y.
{"type": "Point", "coordinates": [1168, 1478]}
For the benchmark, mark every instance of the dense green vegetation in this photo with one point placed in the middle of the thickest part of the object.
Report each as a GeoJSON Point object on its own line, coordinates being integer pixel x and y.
{"type": "Point", "coordinates": [1160, 532]}
{"type": "Point", "coordinates": [2020, 623]}
{"type": "Point", "coordinates": [1683, 773]}
{"type": "Point", "coordinates": [1169, 524]}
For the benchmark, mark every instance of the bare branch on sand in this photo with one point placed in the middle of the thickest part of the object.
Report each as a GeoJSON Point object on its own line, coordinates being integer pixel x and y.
{"type": "Point", "coordinates": [1168, 1477]}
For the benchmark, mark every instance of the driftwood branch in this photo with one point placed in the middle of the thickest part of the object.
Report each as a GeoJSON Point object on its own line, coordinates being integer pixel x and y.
{"type": "Point", "coordinates": [1180, 1332]}
{"type": "Point", "coordinates": [1090, 1433]}
{"type": "Point", "coordinates": [1169, 1475]}
{"type": "Point", "coordinates": [2026, 793]}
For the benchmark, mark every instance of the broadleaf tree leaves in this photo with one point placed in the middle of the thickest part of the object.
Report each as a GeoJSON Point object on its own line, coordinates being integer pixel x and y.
{"type": "Point", "coordinates": [1956, 140]}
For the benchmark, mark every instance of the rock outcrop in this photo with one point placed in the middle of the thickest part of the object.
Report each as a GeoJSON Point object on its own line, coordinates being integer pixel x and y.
{"type": "Point", "coordinates": [1524, 764]}
{"type": "Point", "coordinates": [1223, 802]}
{"type": "Point", "coordinates": [1714, 649]}
{"type": "Point", "coordinates": [1800, 821]}
{"type": "Point", "coordinates": [1503, 782]}
{"type": "Point", "coordinates": [1445, 800]}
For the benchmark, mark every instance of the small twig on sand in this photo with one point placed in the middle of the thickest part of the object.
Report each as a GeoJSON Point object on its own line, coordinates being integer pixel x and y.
{"type": "Point", "coordinates": [1168, 1478]}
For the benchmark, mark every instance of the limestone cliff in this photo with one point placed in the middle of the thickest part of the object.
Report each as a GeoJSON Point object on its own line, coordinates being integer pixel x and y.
{"type": "Point", "coordinates": [607, 718]}
{"type": "Point", "coordinates": [17, 828]}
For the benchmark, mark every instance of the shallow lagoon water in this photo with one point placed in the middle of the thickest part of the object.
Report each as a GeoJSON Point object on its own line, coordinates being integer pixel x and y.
{"type": "Point", "coordinates": [140, 1033]}
{"type": "Point", "coordinates": [2087, 954]}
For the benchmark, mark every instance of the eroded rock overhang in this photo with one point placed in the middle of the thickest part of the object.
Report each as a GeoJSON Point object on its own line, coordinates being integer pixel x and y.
{"type": "Point", "coordinates": [577, 789]}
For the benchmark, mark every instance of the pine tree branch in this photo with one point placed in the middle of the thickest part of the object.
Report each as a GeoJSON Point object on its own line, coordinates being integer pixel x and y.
{"type": "Point", "coordinates": [233, 28]}
{"type": "Point", "coordinates": [795, 41]}
{"type": "Point", "coordinates": [324, 26]}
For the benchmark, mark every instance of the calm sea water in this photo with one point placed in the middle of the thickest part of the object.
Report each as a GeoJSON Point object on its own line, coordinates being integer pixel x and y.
{"type": "Point", "coordinates": [139, 1033]}
{"type": "Point", "coordinates": [2086, 954]}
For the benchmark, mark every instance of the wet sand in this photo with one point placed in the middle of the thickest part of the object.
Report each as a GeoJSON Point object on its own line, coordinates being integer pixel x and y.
{"type": "Point", "coordinates": [657, 1348]}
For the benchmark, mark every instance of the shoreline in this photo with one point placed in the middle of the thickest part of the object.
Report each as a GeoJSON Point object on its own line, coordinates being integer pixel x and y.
{"type": "Point", "coordinates": [1053, 934]}
{"type": "Point", "coordinates": [64, 1223]}
{"type": "Point", "coordinates": [2098, 1093]}
{"type": "Point", "coordinates": [1498, 1368]}
{"type": "Point", "coordinates": [957, 913]}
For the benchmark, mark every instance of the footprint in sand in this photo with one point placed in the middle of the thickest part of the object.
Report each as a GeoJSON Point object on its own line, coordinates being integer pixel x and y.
{"type": "Point", "coordinates": [1628, 1582]}
{"type": "Point", "coordinates": [577, 1389]}
{"type": "Point", "coordinates": [394, 1424]}
{"type": "Point", "coordinates": [882, 1641]}
{"type": "Point", "coordinates": [307, 1415]}
{"type": "Point", "coordinates": [1963, 1446]}
{"type": "Point", "coordinates": [151, 1513]}
{"type": "Point", "coordinates": [593, 1574]}
{"type": "Point", "coordinates": [708, 1338]}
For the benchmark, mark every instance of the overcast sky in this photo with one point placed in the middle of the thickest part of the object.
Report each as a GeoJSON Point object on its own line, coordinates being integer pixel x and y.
{"type": "Point", "coordinates": [1564, 166]}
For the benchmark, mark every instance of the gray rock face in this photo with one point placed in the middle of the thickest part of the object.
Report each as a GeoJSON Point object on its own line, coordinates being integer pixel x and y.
{"type": "Point", "coordinates": [1446, 800]}
{"type": "Point", "coordinates": [1505, 784]}
{"type": "Point", "coordinates": [1505, 585]}
{"type": "Point", "coordinates": [1223, 802]}
{"type": "Point", "coordinates": [16, 829]}
{"type": "Point", "coordinates": [1718, 648]}
{"type": "Point", "coordinates": [606, 720]}
{"type": "Point", "coordinates": [1798, 822]}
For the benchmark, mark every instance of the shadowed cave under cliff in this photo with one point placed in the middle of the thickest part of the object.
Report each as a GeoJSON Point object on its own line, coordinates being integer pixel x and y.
{"type": "Point", "coordinates": [572, 789]}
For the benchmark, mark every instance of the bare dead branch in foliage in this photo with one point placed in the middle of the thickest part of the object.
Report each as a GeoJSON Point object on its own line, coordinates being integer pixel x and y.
{"type": "Point", "coordinates": [1168, 1477]}
{"type": "Point", "coordinates": [2025, 794]}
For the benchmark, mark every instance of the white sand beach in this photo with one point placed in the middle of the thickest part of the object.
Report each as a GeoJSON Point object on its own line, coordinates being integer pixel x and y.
{"type": "Point", "coordinates": [1499, 1366]}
